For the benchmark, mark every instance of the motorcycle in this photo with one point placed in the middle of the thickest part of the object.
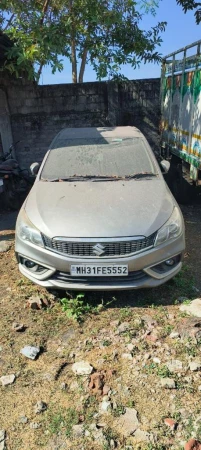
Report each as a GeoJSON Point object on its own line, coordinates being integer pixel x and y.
{"type": "Point", "coordinates": [14, 181]}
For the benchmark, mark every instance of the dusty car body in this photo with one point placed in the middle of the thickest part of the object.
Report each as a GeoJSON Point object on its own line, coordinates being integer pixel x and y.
{"type": "Point", "coordinates": [100, 215]}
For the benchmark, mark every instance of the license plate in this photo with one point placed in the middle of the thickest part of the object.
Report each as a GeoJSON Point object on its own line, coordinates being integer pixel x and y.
{"type": "Point", "coordinates": [90, 270]}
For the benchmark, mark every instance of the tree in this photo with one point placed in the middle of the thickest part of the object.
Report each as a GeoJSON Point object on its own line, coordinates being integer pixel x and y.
{"type": "Point", "coordinates": [191, 5]}
{"type": "Point", "coordinates": [105, 33]}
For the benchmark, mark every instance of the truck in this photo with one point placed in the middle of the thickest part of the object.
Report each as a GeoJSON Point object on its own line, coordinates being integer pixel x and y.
{"type": "Point", "coordinates": [181, 119]}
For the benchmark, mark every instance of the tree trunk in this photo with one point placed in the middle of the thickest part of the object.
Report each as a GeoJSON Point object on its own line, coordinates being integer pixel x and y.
{"type": "Point", "coordinates": [73, 45]}
{"type": "Point", "coordinates": [83, 65]}
{"type": "Point", "coordinates": [40, 70]}
{"type": "Point", "coordinates": [74, 61]}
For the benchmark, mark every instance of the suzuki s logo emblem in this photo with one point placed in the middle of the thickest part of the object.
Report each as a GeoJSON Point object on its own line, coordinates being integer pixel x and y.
{"type": "Point", "coordinates": [99, 249]}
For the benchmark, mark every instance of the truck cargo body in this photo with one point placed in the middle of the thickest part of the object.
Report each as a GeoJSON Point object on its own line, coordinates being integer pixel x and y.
{"type": "Point", "coordinates": [181, 113]}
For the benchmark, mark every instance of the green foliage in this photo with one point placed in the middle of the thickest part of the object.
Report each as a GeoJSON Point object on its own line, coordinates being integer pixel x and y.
{"type": "Point", "coordinates": [63, 420]}
{"type": "Point", "coordinates": [75, 308]}
{"type": "Point", "coordinates": [105, 34]}
{"type": "Point", "coordinates": [191, 5]}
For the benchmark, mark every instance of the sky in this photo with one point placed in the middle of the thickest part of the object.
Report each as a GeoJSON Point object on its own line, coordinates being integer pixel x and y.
{"type": "Point", "coordinates": [181, 30]}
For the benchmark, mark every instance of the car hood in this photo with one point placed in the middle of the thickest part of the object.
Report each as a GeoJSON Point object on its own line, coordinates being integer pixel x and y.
{"type": "Point", "coordinates": [99, 209]}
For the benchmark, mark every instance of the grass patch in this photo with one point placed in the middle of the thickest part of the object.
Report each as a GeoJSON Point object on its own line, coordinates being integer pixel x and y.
{"type": "Point", "coordinates": [63, 420]}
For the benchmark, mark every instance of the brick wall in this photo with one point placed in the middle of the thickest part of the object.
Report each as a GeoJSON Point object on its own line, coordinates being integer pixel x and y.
{"type": "Point", "coordinates": [37, 113]}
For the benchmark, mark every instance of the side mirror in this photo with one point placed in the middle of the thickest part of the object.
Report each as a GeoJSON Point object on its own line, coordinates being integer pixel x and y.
{"type": "Point", "coordinates": [34, 168]}
{"type": "Point", "coordinates": [165, 165]}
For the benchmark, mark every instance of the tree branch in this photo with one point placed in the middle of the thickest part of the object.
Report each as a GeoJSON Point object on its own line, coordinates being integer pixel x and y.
{"type": "Point", "coordinates": [9, 22]}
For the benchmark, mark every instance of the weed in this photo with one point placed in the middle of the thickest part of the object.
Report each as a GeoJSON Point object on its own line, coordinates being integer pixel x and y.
{"type": "Point", "coordinates": [63, 420]}
{"type": "Point", "coordinates": [56, 422]}
{"type": "Point", "coordinates": [189, 427]}
{"type": "Point", "coordinates": [119, 410]}
{"type": "Point", "coordinates": [184, 283]}
{"type": "Point", "coordinates": [151, 446]}
{"type": "Point", "coordinates": [109, 435]}
{"type": "Point", "coordinates": [161, 371]}
{"type": "Point", "coordinates": [124, 313]}
{"type": "Point", "coordinates": [106, 343]}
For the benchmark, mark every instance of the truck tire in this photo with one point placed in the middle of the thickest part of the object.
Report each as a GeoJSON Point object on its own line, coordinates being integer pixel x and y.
{"type": "Point", "coordinates": [180, 188]}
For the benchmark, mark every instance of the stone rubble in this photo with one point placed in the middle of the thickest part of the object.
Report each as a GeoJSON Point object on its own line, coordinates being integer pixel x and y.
{"type": "Point", "coordinates": [194, 308]}
{"type": "Point", "coordinates": [82, 368]}
{"type": "Point", "coordinates": [7, 379]}
{"type": "Point", "coordinates": [40, 407]}
{"type": "Point", "coordinates": [30, 352]}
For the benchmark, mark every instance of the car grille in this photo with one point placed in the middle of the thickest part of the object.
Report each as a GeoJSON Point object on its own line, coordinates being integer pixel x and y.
{"type": "Point", "coordinates": [113, 248]}
{"type": "Point", "coordinates": [93, 281]}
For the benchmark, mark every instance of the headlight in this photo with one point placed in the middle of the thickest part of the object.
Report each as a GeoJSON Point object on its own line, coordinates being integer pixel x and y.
{"type": "Point", "coordinates": [172, 228]}
{"type": "Point", "coordinates": [26, 230]}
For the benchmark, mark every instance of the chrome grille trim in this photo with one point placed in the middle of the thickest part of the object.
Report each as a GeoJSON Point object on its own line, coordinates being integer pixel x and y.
{"type": "Point", "coordinates": [114, 247]}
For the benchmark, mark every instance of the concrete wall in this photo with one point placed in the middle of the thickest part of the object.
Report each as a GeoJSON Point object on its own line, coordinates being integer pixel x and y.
{"type": "Point", "coordinates": [37, 113]}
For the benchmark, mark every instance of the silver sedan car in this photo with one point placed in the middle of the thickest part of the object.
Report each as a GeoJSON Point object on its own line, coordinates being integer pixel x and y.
{"type": "Point", "coordinates": [100, 215]}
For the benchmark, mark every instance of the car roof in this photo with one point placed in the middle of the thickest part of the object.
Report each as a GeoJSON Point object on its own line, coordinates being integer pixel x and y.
{"type": "Point", "coordinates": [94, 133]}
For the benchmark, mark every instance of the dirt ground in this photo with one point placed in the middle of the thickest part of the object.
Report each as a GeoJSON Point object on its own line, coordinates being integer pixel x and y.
{"type": "Point", "coordinates": [134, 381]}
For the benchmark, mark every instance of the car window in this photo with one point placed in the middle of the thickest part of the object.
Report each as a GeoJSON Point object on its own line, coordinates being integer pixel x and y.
{"type": "Point", "coordinates": [98, 157]}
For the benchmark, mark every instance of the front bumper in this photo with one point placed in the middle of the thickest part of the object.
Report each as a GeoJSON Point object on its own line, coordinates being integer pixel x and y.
{"type": "Point", "coordinates": [140, 267]}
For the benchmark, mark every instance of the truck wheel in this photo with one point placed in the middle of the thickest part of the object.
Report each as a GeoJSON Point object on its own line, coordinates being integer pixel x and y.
{"type": "Point", "coordinates": [180, 188]}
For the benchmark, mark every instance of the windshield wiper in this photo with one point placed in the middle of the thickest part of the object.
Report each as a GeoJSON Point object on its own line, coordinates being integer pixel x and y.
{"type": "Point", "coordinates": [101, 177]}
{"type": "Point", "coordinates": [73, 178]}
{"type": "Point", "coordinates": [140, 175]}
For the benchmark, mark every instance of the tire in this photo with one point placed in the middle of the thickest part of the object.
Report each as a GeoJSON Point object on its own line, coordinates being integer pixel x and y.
{"type": "Point", "coordinates": [180, 188]}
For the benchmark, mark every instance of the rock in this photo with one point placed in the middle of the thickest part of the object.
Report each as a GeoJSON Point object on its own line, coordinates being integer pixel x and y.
{"type": "Point", "coordinates": [123, 327]}
{"type": "Point", "coordinates": [82, 368]}
{"type": "Point", "coordinates": [18, 326]}
{"type": "Point", "coordinates": [141, 436]}
{"type": "Point", "coordinates": [127, 423]}
{"type": "Point", "coordinates": [168, 383]}
{"type": "Point", "coordinates": [190, 328]}
{"type": "Point", "coordinates": [193, 444]}
{"type": "Point", "coordinates": [174, 365]}
{"type": "Point", "coordinates": [194, 308]}
{"type": "Point", "coordinates": [171, 423]}
{"type": "Point", "coordinates": [66, 337]}
{"type": "Point", "coordinates": [96, 434]}
{"type": "Point", "coordinates": [156, 360]}
{"type": "Point", "coordinates": [74, 386]}
{"type": "Point", "coordinates": [63, 386]}
{"type": "Point", "coordinates": [7, 379]}
{"type": "Point", "coordinates": [30, 352]}
{"type": "Point", "coordinates": [127, 356]}
{"type": "Point", "coordinates": [152, 337]}
{"type": "Point", "coordinates": [130, 347]}
{"type": "Point", "coordinates": [114, 323]}
{"type": "Point", "coordinates": [78, 430]}
{"type": "Point", "coordinates": [194, 366]}
{"type": "Point", "coordinates": [96, 383]}
{"type": "Point", "coordinates": [34, 425]}
{"type": "Point", "coordinates": [104, 406]}
{"type": "Point", "coordinates": [174, 335]}
{"type": "Point", "coordinates": [4, 246]}
{"type": "Point", "coordinates": [40, 407]}
{"type": "Point", "coordinates": [149, 320]}
{"type": "Point", "coordinates": [2, 435]}
{"type": "Point", "coordinates": [23, 419]}
{"type": "Point", "coordinates": [34, 303]}
{"type": "Point", "coordinates": [106, 389]}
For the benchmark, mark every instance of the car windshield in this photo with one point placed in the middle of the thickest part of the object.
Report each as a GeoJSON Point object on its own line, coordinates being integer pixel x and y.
{"type": "Point", "coordinates": [101, 157]}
